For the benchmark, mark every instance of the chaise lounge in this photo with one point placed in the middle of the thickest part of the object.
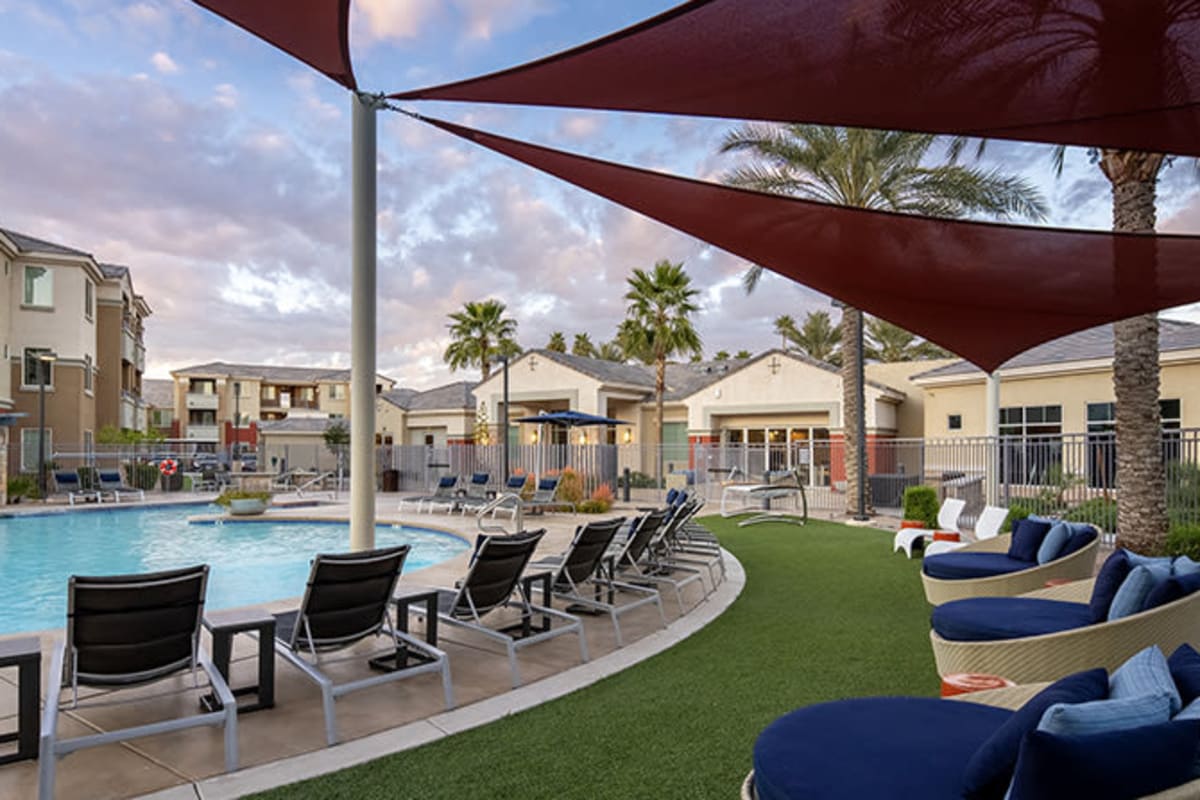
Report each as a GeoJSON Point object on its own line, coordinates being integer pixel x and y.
{"type": "Point", "coordinates": [1012, 564]}
{"type": "Point", "coordinates": [1052, 632]}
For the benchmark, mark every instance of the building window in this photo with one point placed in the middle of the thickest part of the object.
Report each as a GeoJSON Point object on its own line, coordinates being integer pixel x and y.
{"type": "Point", "coordinates": [1031, 448]}
{"type": "Point", "coordinates": [36, 371]}
{"type": "Point", "coordinates": [268, 393]}
{"type": "Point", "coordinates": [29, 448]}
{"type": "Point", "coordinates": [954, 422]}
{"type": "Point", "coordinates": [202, 386]}
{"type": "Point", "coordinates": [89, 299]}
{"type": "Point", "coordinates": [87, 373]}
{"type": "Point", "coordinates": [39, 287]}
{"type": "Point", "coordinates": [162, 417]}
{"type": "Point", "coordinates": [337, 391]}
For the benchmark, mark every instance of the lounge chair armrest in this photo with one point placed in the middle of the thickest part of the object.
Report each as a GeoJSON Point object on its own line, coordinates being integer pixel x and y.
{"type": "Point", "coordinates": [219, 686]}
{"type": "Point", "coordinates": [53, 692]}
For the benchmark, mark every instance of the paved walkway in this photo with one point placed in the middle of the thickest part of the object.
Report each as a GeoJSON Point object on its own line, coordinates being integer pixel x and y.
{"type": "Point", "coordinates": [287, 743]}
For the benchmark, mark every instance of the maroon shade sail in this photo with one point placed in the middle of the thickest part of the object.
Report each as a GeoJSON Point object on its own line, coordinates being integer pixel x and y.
{"type": "Point", "coordinates": [314, 31]}
{"type": "Point", "coordinates": [1106, 73]}
{"type": "Point", "coordinates": [982, 290]}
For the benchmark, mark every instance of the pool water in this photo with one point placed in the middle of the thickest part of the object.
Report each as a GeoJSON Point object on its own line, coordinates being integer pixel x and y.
{"type": "Point", "coordinates": [250, 562]}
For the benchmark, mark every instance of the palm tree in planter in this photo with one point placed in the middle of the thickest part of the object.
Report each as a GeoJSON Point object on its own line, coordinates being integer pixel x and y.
{"type": "Point", "coordinates": [883, 170]}
{"type": "Point", "coordinates": [481, 334]}
{"type": "Point", "coordinates": [658, 326]}
{"type": "Point", "coordinates": [890, 343]}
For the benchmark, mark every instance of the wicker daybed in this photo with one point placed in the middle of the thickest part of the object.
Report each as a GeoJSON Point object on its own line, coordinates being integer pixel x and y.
{"type": "Point", "coordinates": [1013, 698]}
{"type": "Point", "coordinates": [1073, 567]}
{"type": "Point", "coordinates": [1051, 656]}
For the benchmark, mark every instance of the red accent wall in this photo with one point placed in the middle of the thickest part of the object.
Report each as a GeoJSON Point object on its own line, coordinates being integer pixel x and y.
{"type": "Point", "coordinates": [699, 438]}
{"type": "Point", "coordinates": [879, 458]}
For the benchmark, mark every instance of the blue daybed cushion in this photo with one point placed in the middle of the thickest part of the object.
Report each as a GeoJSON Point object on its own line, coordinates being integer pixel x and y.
{"type": "Point", "coordinates": [1054, 542]}
{"type": "Point", "coordinates": [1145, 672]}
{"type": "Point", "coordinates": [1027, 537]}
{"type": "Point", "coordinates": [987, 619]}
{"type": "Point", "coordinates": [1184, 566]}
{"type": "Point", "coordinates": [990, 768]}
{"type": "Point", "coordinates": [1184, 664]}
{"type": "Point", "coordinates": [1138, 584]}
{"type": "Point", "coordinates": [878, 747]}
{"type": "Point", "coordinates": [1082, 535]}
{"type": "Point", "coordinates": [1108, 580]}
{"type": "Point", "coordinates": [1174, 588]}
{"type": "Point", "coordinates": [960, 566]}
{"type": "Point", "coordinates": [1105, 766]}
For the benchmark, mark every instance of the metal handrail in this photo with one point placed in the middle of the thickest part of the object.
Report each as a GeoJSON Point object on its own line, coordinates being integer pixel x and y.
{"type": "Point", "coordinates": [312, 481]}
{"type": "Point", "coordinates": [502, 500]}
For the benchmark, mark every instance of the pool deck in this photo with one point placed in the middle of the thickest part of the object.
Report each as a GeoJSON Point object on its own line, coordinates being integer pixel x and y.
{"type": "Point", "coordinates": [287, 743]}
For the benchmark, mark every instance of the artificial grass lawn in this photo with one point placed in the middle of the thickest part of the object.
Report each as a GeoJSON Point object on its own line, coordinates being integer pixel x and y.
{"type": "Point", "coordinates": [828, 611]}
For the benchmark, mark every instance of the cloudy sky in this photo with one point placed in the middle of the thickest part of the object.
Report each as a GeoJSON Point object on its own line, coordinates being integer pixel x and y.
{"type": "Point", "coordinates": [156, 135]}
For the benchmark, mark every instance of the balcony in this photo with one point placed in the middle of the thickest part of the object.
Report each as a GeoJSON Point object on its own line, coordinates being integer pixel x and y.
{"type": "Point", "coordinates": [128, 346]}
{"type": "Point", "coordinates": [129, 413]}
{"type": "Point", "coordinates": [202, 433]}
{"type": "Point", "coordinates": [139, 357]}
{"type": "Point", "coordinates": [201, 402]}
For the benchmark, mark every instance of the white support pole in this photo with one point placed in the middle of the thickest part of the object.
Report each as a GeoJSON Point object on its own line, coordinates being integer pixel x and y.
{"type": "Point", "coordinates": [992, 429]}
{"type": "Point", "coordinates": [362, 324]}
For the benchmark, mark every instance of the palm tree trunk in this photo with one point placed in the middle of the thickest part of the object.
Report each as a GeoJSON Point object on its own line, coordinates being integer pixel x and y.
{"type": "Point", "coordinates": [852, 433]}
{"type": "Point", "coordinates": [660, 388]}
{"type": "Point", "coordinates": [1141, 482]}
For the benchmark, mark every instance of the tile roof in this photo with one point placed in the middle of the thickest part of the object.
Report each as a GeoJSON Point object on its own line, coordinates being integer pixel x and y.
{"type": "Point", "coordinates": [158, 392]}
{"type": "Point", "coordinates": [1094, 343]}
{"type": "Point", "coordinates": [603, 370]}
{"type": "Point", "coordinates": [268, 373]}
{"type": "Point", "coordinates": [114, 270]}
{"type": "Point", "coordinates": [456, 395]}
{"type": "Point", "coordinates": [31, 244]}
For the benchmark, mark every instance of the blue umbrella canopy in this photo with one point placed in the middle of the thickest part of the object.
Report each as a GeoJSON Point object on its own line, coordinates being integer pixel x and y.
{"type": "Point", "coordinates": [571, 419]}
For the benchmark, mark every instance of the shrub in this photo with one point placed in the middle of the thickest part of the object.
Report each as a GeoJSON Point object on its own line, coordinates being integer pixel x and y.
{"type": "Point", "coordinates": [241, 494]}
{"type": "Point", "coordinates": [570, 486]}
{"type": "Point", "coordinates": [604, 494]}
{"type": "Point", "coordinates": [21, 486]}
{"type": "Point", "coordinates": [1016, 512]}
{"type": "Point", "coordinates": [1184, 540]}
{"type": "Point", "coordinates": [142, 476]}
{"type": "Point", "coordinates": [921, 503]}
{"type": "Point", "coordinates": [592, 507]}
{"type": "Point", "coordinates": [1099, 511]}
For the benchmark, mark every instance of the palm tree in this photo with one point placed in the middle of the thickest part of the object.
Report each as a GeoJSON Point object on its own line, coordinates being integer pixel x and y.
{"type": "Point", "coordinates": [785, 326]}
{"type": "Point", "coordinates": [610, 351]}
{"type": "Point", "coordinates": [868, 169]}
{"type": "Point", "coordinates": [890, 343]}
{"type": "Point", "coordinates": [819, 338]}
{"type": "Point", "coordinates": [658, 327]}
{"type": "Point", "coordinates": [743, 354]}
{"type": "Point", "coordinates": [583, 346]}
{"type": "Point", "coordinates": [557, 343]}
{"type": "Point", "coordinates": [481, 333]}
{"type": "Point", "coordinates": [722, 355]}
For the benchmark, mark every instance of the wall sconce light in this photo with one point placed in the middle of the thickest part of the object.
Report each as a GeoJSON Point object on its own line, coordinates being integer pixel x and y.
{"type": "Point", "coordinates": [533, 437]}
{"type": "Point", "coordinates": [628, 436]}
{"type": "Point", "coordinates": [582, 437]}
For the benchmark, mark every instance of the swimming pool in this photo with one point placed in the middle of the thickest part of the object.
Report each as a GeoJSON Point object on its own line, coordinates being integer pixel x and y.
{"type": "Point", "coordinates": [251, 562]}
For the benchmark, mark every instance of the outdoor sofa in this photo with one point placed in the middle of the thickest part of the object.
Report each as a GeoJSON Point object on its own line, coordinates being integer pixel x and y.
{"type": "Point", "coordinates": [1048, 633]}
{"type": "Point", "coordinates": [1012, 564]}
{"type": "Point", "coordinates": [1087, 735]}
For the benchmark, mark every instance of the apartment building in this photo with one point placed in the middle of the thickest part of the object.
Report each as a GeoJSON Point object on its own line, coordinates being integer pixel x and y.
{"type": "Point", "coordinates": [72, 334]}
{"type": "Point", "coordinates": [218, 404]}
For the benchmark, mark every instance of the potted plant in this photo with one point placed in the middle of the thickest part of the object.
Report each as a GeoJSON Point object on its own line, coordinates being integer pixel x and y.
{"type": "Point", "coordinates": [920, 507]}
{"type": "Point", "coordinates": [241, 503]}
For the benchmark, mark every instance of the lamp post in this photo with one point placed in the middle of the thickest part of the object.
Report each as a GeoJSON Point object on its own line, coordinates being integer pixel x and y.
{"type": "Point", "coordinates": [237, 422]}
{"type": "Point", "coordinates": [44, 361]}
{"type": "Point", "coordinates": [504, 419]}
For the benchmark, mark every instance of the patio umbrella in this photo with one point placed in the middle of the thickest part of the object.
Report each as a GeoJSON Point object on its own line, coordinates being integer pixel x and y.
{"type": "Point", "coordinates": [567, 419]}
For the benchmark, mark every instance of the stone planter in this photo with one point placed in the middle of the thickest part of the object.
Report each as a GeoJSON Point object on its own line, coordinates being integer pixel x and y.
{"type": "Point", "coordinates": [246, 507]}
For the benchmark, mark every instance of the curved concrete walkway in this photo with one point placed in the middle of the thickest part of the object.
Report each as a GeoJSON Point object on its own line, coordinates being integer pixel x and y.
{"type": "Point", "coordinates": [439, 726]}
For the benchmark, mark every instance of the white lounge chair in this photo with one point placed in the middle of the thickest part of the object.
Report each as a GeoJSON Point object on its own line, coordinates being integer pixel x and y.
{"type": "Point", "coordinates": [988, 526]}
{"type": "Point", "coordinates": [947, 521]}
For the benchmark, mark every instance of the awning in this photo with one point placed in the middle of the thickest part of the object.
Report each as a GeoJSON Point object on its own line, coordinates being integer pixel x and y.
{"type": "Point", "coordinates": [314, 31]}
{"type": "Point", "coordinates": [982, 290]}
{"type": "Point", "coordinates": [1104, 73]}
{"type": "Point", "coordinates": [570, 419]}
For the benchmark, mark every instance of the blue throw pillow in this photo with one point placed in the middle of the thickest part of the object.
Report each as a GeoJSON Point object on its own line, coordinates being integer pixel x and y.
{"type": "Point", "coordinates": [1108, 580]}
{"type": "Point", "coordinates": [1100, 716]}
{"type": "Point", "coordinates": [1137, 560]}
{"type": "Point", "coordinates": [1027, 537]}
{"type": "Point", "coordinates": [1137, 586]}
{"type": "Point", "coordinates": [1190, 711]}
{"type": "Point", "coordinates": [1172, 589]}
{"type": "Point", "coordinates": [1082, 535]}
{"type": "Point", "coordinates": [1184, 664]}
{"type": "Point", "coordinates": [1145, 672]}
{"type": "Point", "coordinates": [1052, 545]}
{"type": "Point", "coordinates": [1106, 766]}
{"type": "Point", "coordinates": [1185, 566]}
{"type": "Point", "coordinates": [990, 769]}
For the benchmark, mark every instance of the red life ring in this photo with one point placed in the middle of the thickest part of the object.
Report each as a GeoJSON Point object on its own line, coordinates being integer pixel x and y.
{"type": "Point", "coordinates": [168, 466]}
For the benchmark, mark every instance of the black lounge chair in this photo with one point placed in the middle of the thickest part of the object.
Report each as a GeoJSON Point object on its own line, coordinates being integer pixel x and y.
{"type": "Point", "coordinates": [637, 562]}
{"type": "Point", "coordinates": [348, 599]}
{"type": "Point", "coordinates": [580, 577]}
{"type": "Point", "coordinates": [128, 630]}
{"type": "Point", "coordinates": [475, 496]}
{"type": "Point", "coordinates": [678, 547]}
{"type": "Point", "coordinates": [493, 582]}
{"type": "Point", "coordinates": [544, 497]}
{"type": "Point", "coordinates": [111, 483]}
